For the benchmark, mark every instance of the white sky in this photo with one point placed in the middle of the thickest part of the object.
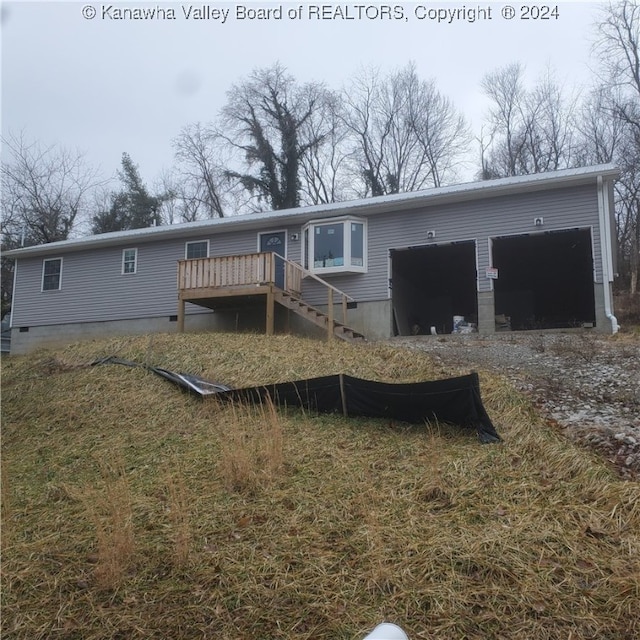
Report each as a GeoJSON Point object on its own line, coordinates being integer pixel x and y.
{"type": "Point", "coordinates": [106, 86]}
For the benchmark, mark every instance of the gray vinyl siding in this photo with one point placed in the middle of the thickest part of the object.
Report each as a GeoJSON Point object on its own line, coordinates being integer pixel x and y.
{"type": "Point", "coordinates": [94, 288]}
{"type": "Point", "coordinates": [480, 220]}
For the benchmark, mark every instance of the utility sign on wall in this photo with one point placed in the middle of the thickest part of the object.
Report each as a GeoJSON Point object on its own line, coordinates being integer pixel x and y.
{"type": "Point", "coordinates": [492, 273]}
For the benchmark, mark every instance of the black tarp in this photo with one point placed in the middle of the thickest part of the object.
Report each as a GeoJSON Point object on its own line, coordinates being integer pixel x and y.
{"type": "Point", "coordinates": [452, 400]}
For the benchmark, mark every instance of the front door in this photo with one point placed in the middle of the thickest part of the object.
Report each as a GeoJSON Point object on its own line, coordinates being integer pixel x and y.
{"type": "Point", "coordinates": [275, 241]}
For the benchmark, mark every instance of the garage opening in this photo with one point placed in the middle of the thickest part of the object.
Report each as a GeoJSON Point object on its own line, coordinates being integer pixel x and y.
{"type": "Point", "coordinates": [432, 284]}
{"type": "Point", "coordinates": [545, 281]}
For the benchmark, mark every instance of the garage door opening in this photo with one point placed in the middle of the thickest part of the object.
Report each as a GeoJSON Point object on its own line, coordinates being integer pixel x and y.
{"type": "Point", "coordinates": [431, 285]}
{"type": "Point", "coordinates": [545, 281]}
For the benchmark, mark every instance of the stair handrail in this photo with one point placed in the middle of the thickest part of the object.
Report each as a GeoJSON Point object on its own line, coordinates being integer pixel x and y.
{"type": "Point", "coordinates": [330, 291]}
{"type": "Point", "coordinates": [309, 274]}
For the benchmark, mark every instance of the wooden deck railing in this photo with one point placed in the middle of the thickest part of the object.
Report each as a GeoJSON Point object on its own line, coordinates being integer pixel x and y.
{"type": "Point", "coordinates": [233, 273]}
{"type": "Point", "coordinates": [226, 271]}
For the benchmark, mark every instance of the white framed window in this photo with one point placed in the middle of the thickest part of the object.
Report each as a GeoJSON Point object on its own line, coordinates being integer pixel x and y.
{"type": "Point", "coordinates": [52, 274]}
{"type": "Point", "coordinates": [129, 261]}
{"type": "Point", "coordinates": [196, 249]}
{"type": "Point", "coordinates": [338, 245]}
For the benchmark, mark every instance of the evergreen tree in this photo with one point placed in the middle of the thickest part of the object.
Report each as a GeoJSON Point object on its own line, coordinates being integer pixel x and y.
{"type": "Point", "coordinates": [132, 207]}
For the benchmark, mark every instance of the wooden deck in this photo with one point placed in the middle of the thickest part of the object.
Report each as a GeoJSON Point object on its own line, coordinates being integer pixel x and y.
{"type": "Point", "coordinates": [224, 280]}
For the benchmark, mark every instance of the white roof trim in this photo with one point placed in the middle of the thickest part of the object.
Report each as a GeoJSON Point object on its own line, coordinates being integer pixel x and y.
{"type": "Point", "coordinates": [367, 206]}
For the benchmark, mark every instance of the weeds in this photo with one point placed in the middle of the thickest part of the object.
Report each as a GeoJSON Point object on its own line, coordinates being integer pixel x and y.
{"type": "Point", "coordinates": [583, 346]}
{"type": "Point", "coordinates": [251, 443]}
{"type": "Point", "coordinates": [233, 521]}
{"type": "Point", "coordinates": [538, 344]}
{"type": "Point", "coordinates": [109, 508]}
{"type": "Point", "coordinates": [5, 508]}
{"type": "Point", "coordinates": [179, 516]}
{"type": "Point", "coordinates": [627, 311]}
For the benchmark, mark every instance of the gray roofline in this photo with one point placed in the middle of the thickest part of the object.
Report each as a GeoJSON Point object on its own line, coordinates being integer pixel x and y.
{"type": "Point", "coordinates": [369, 206]}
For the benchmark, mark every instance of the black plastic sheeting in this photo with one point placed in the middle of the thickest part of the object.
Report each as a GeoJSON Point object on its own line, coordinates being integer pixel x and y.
{"type": "Point", "coordinates": [453, 400]}
{"type": "Point", "coordinates": [194, 384]}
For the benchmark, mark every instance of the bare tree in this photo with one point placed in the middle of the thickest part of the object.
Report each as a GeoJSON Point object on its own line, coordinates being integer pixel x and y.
{"type": "Point", "coordinates": [405, 135]}
{"type": "Point", "coordinates": [368, 129]}
{"type": "Point", "coordinates": [628, 210]}
{"type": "Point", "coordinates": [551, 126]}
{"type": "Point", "coordinates": [505, 89]}
{"type": "Point", "coordinates": [326, 167]}
{"type": "Point", "coordinates": [601, 132]}
{"type": "Point", "coordinates": [44, 196]}
{"type": "Point", "coordinates": [605, 137]}
{"type": "Point", "coordinates": [531, 131]}
{"type": "Point", "coordinates": [202, 181]}
{"type": "Point", "coordinates": [441, 132]}
{"type": "Point", "coordinates": [618, 46]}
{"type": "Point", "coordinates": [267, 118]}
{"type": "Point", "coordinates": [44, 191]}
{"type": "Point", "coordinates": [618, 49]}
{"type": "Point", "coordinates": [179, 204]}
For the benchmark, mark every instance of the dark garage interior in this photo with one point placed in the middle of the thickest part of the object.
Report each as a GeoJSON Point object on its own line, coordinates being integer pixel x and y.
{"type": "Point", "coordinates": [432, 284]}
{"type": "Point", "coordinates": [545, 281]}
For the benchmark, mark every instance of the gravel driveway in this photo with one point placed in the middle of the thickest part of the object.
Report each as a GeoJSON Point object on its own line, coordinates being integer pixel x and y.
{"type": "Point", "coordinates": [588, 385]}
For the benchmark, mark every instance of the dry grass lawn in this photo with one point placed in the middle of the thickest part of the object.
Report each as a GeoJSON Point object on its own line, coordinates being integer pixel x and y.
{"type": "Point", "coordinates": [131, 510]}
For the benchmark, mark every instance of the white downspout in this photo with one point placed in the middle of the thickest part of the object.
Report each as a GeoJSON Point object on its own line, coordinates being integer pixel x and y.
{"type": "Point", "coordinates": [13, 292]}
{"type": "Point", "coordinates": [605, 250]}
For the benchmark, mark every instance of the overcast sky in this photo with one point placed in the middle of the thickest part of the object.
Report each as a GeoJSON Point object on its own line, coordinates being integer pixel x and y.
{"type": "Point", "coordinates": [106, 85]}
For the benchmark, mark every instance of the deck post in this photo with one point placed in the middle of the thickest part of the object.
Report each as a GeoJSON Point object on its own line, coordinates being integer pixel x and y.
{"type": "Point", "coordinates": [330, 320]}
{"type": "Point", "coordinates": [180, 315]}
{"type": "Point", "coordinates": [271, 304]}
{"type": "Point", "coordinates": [207, 281]}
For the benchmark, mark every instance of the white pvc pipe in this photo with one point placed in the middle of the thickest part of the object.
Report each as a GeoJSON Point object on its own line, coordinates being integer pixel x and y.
{"type": "Point", "coordinates": [387, 631]}
{"type": "Point", "coordinates": [605, 251]}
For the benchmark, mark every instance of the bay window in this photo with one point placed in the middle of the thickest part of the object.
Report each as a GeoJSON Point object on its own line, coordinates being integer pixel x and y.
{"type": "Point", "coordinates": [335, 246]}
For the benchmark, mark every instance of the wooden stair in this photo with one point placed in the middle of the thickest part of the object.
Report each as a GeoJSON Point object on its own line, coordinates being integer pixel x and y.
{"type": "Point", "coordinates": [317, 317]}
{"type": "Point", "coordinates": [209, 282]}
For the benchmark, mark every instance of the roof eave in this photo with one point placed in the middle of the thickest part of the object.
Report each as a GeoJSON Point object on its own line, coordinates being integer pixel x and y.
{"type": "Point", "coordinates": [371, 206]}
